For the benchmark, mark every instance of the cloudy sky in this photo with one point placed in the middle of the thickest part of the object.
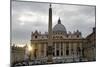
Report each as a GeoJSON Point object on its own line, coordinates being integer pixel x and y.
{"type": "Point", "coordinates": [31, 16]}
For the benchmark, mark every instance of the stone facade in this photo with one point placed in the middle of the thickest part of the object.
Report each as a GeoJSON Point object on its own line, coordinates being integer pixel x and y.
{"type": "Point", "coordinates": [70, 45]}
{"type": "Point", "coordinates": [90, 46]}
{"type": "Point", "coordinates": [64, 44]}
{"type": "Point", "coordinates": [17, 54]}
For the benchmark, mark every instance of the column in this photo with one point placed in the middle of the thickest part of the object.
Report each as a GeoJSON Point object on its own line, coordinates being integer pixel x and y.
{"type": "Point", "coordinates": [80, 49]}
{"type": "Point", "coordinates": [75, 48]}
{"type": "Point", "coordinates": [65, 49]}
{"type": "Point", "coordinates": [59, 49]}
{"type": "Point", "coordinates": [55, 48]}
{"type": "Point", "coordinates": [33, 46]}
{"type": "Point", "coordinates": [39, 52]}
{"type": "Point", "coordinates": [45, 50]}
{"type": "Point", "coordinates": [42, 50]}
{"type": "Point", "coordinates": [69, 49]}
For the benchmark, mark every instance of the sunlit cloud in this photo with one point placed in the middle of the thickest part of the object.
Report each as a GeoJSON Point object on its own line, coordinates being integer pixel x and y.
{"type": "Point", "coordinates": [26, 18]}
{"type": "Point", "coordinates": [32, 17]}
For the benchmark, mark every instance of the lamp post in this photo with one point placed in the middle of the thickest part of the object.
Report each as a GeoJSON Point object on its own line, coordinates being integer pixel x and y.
{"type": "Point", "coordinates": [79, 53]}
{"type": "Point", "coordinates": [73, 54]}
{"type": "Point", "coordinates": [82, 53]}
{"type": "Point", "coordinates": [30, 50]}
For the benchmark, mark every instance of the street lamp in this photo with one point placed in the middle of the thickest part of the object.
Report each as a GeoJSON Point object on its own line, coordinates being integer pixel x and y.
{"type": "Point", "coordinates": [79, 53]}
{"type": "Point", "coordinates": [73, 54]}
{"type": "Point", "coordinates": [30, 50]}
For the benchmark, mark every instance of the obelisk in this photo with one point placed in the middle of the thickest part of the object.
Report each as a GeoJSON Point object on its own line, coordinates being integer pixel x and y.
{"type": "Point", "coordinates": [49, 49]}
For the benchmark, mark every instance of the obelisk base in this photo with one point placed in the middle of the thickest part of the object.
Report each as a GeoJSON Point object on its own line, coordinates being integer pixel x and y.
{"type": "Point", "coordinates": [49, 60]}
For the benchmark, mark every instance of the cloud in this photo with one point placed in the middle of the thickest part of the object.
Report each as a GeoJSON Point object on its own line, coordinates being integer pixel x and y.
{"type": "Point", "coordinates": [31, 16]}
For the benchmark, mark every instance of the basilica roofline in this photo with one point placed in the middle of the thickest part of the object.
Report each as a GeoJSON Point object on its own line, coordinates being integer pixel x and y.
{"type": "Point", "coordinates": [74, 39]}
{"type": "Point", "coordinates": [61, 41]}
{"type": "Point", "coordinates": [54, 32]}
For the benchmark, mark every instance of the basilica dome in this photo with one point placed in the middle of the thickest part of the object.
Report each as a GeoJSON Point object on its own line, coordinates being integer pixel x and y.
{"type": "Point", "coordinates": [59, 27]}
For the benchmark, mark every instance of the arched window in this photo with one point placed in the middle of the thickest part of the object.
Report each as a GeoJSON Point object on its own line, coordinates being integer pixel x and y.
{"type": "Point", "coordinates": [35, 36]}
{"type": "Point", "coordinates": [60, 36]}
{"type": "Point", "coordinates": [53, 54]}
{"type": "Point", "coordinates": [67, 52]}
{"type": "Point", "coordinates": [78, 50]}
{"type": "Point", "coordinates": [61, 52]}
{"type": "Point", "coordinates": [57, 53]}
{"type": "Point", "coordinates": [67, 49]}
{"type": "Point", "coordinates": [77, 36]}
